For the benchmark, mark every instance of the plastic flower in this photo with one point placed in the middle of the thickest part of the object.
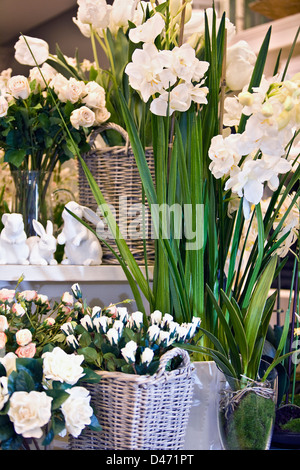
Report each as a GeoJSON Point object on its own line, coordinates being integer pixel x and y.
{"type": "Point", "coordinates": [128, 352]}
{"type": "Point", "coordinates": [29, 412]}
{"type": "Point", "coordinates": [113, 336]}
{"type": "Point", "coordinates": [148, 31]}
{"type": "Point", "coordinates": [77, 410]}
{"type": "Point", "coordinates": [147, 356]}
{"type": "Point", "coordinates": [36, 53]}
{"type": "Point", "coordinates": [62, 367]}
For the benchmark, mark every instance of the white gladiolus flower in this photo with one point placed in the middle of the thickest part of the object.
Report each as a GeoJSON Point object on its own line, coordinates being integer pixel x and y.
{"type": "Point", "coordinates": [62, 367]}
{"type": "Point", "coordinates": [29, 412]}
{"type": "Point", "coordinates": [224, 154]}
{"type": "Point", "coordinates": [144, 71]}
{"type": "Point", "coordinates": [128, 352]}
{"type": "Point", "coordinates": [179, 99]}
{"type": "Point", "coordinates": [77, 410]}
{"type": "Point", "coordinates": [148, 31]}
{"type": "Point", "coordinates": [36, 53]}
{"type": "Point", "coordinates": [113, 336]}
{"type": "Point", "coordinates": [147, 356]}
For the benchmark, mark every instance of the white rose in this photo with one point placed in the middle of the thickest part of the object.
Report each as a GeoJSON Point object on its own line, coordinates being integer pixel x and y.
{"type": "Point", "coordinates": [3, 106]}
{"type": "Point", "coordinates": [101, 115]}
{"type": "Point", "coordinates": [18, 310]}
{"type": "Point", "coordinates": [3, 391]}
{"type": "Point", "coordinates": [48, 73]}
{"type": "Point", "coordinates": [62, 367]}
{"type": "Point", "coordinates": [29, 412]}
{"type": "Point", "coordinates": [37, 47]}
{"type": "Point", "coordinates": [74, 90]}
{"type": "Point", "coordinates": [23, 337]}
{"type": "Point", "coordinates": [19, 87]}
{"type": "Point", "coordinates": [77, 410]}
{"type": "Point", "coordinates": [95, 95]}
{"type": "Point", "coordinates": [82, 117]}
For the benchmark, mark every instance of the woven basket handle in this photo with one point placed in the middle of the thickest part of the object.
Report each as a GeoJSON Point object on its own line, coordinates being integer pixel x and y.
{"type": "Point", "coordinates": [108, 126]}
{"type": "Point", "coordinates": [165, 358]}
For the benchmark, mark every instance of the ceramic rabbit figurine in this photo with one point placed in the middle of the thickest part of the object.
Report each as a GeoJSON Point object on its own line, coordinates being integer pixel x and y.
{"type": "Point", "coordinates": [82, 247]}
{"type": "Point", "coordinates": [13, 246]}
{"type": "Point", "coordinates": [43, 246]}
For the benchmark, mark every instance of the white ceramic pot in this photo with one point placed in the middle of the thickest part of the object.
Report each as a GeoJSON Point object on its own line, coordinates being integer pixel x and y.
{"type": "Point", "coordinates": [202, 430]}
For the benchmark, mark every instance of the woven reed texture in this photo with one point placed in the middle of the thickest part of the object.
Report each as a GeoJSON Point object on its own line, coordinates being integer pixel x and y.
{"type": "Point", "coordinates": [116, 174]}
{"type": "Point", "coordinates": [139, 412]}
{"type": "Point", "coordinates": [276, 9]}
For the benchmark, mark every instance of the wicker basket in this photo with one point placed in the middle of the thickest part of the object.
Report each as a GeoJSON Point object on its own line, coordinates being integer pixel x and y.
{"type": "Point", "coordinates": [115, 172]}
{"type": "Point", "coordinates": [139, 412]}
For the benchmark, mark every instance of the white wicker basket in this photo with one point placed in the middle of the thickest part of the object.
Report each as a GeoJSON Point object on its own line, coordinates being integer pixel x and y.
{"type": "Point", "coordinates": [116, 174]}
{"type": "Point", "coordinates": [141, 412]}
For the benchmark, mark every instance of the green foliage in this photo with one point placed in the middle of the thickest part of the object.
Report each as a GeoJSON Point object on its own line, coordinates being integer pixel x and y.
{"type": "Point", "coordinates": [292, 426]}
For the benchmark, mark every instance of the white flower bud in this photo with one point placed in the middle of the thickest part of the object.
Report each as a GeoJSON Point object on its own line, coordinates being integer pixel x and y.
{"type": "Point", "coordinates": [128, 352]}
{"type": "Point", "coordinates": [147, 356]}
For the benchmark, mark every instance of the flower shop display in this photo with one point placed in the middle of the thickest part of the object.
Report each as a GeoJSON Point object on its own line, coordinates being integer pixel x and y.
{"type": "Point", "coordinates": [224, 199]}
{"type": "Point", "coordinates": [144, 396]}
{"type": "Point", "coordinates": [32, 130]}
{"type": "Point", "coordinates": [41, 389]}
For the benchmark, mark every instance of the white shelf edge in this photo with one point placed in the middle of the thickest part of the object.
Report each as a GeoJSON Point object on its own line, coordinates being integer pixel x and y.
{"type": "Point", "coordinates": [64, 273]}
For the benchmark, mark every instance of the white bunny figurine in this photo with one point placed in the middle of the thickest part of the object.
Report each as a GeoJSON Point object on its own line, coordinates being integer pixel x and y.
{"type": "Point", "coordinates": [82, 247]}
{"type": "Point", "coordinates": [43, 246]}
{"type": "Point", "coordinates": [13, 247]}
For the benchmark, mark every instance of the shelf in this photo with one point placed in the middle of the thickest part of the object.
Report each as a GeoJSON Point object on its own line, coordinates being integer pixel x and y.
{"type": "Point", "coordinates": [64, 273]}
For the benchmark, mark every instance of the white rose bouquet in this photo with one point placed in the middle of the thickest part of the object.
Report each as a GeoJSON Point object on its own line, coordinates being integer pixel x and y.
{"type": "Point", "coordinates": [43, 398]}
{"type": "Point", "coordinates": [32, 133]}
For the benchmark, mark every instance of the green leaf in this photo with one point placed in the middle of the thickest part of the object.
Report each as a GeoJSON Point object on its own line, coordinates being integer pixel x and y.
{"type": "Point", "coordinates": [94, 424]}
{"type": "Point", "coordinates": [16, 157]}
{"type": "Point", "coordinates": [90, 354]}
{"type": "Point", "coordinates": [258, 300]}
{"type": "Point", "coordinates": [59, 397]}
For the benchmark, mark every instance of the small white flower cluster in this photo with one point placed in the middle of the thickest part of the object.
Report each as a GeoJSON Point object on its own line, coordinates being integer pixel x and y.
{"type": "Point", "coordinates": [161, 332]}
{"type": "Point", "coordinates": [31, 411]}
{"type": "Point", "coordinates": [250, 160]}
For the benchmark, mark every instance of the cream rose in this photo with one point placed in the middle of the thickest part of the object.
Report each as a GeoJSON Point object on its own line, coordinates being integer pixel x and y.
{"type": "Point", "coordinates": [3, 323]}
{"type": "Point", "coordinates": [23, 337]}
{"type": "Point", "coordinates": [3, 106]}
{"type": "Point", "coordinates": [77, 410]}
{"type": "Point", "coordinates": [62, 367]}
{"type": "Point", "coordinates": [19, 87]}
{"type": "Point", "coordinates": [67, 299]}
{"type": "Point", "coordinates": [95, 95]}
{"type": "Point", "coordinates": [82, 117]}
{"type": "Point", "coordinates": [28, 295]}
{"type": "Point", "coordinates": [29, 412]}
{"type": "Point", "coordinates": [37, 47]}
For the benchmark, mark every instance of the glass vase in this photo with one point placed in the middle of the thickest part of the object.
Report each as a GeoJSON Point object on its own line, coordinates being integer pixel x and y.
{"type": "Point", "coordinates": [32, 197]}
{"type": "Point", "coordinates": [247, 412]}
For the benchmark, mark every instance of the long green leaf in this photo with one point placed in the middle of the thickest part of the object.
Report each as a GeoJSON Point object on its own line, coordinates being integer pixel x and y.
{"type": "Point", "coordinates": [257, 304]}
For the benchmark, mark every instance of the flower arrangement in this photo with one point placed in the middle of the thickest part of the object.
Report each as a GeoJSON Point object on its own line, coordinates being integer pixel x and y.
{"type": "Point", "coordinates": [43, 397]}
{"type": "Point", "coordinates": [115, 340]}
{"type": "Point", "coordinates": [29, 323]}
{"type": "Point", "coordinates": [31, 130]}
{"type": "Point", "coordinates": [221, 148]}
